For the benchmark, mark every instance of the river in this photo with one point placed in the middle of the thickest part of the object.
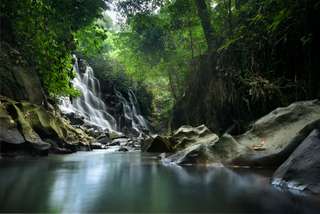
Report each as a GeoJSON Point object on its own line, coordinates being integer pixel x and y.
{"type": "Point", "coordinates": [100, 181]}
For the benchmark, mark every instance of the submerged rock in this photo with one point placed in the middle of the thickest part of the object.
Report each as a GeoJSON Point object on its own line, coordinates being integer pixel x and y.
{"type": "Point", "coordinates": [302, 169]}
{"type": "Point", "coordinates": [123, 149]}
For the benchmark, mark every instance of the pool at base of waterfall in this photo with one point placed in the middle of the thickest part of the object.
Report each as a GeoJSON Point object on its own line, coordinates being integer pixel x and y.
{"type": "Point", "coordinates": [100, 181]}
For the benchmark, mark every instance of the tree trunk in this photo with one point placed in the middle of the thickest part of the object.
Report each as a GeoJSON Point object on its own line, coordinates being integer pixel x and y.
{"type": "Point", "coordinates": [237, 4]}
{"type": "Point", "coordinates": [204, 15]}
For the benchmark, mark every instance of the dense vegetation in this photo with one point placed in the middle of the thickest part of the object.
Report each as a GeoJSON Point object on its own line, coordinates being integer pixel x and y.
{"type": "Point", "coordinates": [204, 61]}
{"type": "Point", "coordinates": [225, 62]}
{"type": "Point", "coordinates": [43, 30]}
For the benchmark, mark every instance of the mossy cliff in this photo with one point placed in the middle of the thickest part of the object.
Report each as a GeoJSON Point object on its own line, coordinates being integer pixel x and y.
{"type": "Point", "coordinates": [27, 122]}
{"type": "Point", "coordinates": [32, 128]}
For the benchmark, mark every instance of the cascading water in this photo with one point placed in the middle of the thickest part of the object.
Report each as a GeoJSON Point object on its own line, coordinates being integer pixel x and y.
{"type": "Point", "coordinates": [131, 111]}
{"type": "Point", "coordinates": [92, 108]}
{"type": "Point", "coordinates": [89, 104]}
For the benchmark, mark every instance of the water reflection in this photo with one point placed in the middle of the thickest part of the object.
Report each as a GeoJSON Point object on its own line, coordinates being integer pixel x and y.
{"type": "Point", "coordinates": [104, 182]}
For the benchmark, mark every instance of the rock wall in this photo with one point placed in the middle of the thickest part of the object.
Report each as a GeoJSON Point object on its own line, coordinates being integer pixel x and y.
{"type": "Point", "coordinates": [18, 80]}
{"type": "Point", "coordinates": [30, 128]}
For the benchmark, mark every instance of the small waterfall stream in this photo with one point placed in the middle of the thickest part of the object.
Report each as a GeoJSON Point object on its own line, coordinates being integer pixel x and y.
{"type": "Point", "coordinates": [93, 109]}
{"type": "Point", "coordinates": [131, 112]}
{"type": "Point", "coordinates": [89, 104]}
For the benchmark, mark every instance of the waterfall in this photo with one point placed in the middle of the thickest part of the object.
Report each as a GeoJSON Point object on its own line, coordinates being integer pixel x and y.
{"type": "Point", "coordinates": [132, 112]}
{"type": "Point", "coordinates": [92, 108]}
{"type": "Point", "coordinates": [89, 104]}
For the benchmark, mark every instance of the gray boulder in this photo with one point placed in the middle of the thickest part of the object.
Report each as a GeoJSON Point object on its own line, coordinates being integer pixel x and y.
{"type": "Point", "coordinates": [275, 136]}
{"type": "Point", "coordinates": [193, 145]}
{"type": "Point", "coordinates": [302, 169]}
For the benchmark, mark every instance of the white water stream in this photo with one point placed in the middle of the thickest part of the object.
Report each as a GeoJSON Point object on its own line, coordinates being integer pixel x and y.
{"type": "Point", "coordinates": [90, 105]}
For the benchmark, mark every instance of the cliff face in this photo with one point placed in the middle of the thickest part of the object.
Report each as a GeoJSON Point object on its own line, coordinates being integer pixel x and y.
{"type": "Point", "coordinates": [26, 124]}
{"type": "Point", "coordinates": [18, 80]}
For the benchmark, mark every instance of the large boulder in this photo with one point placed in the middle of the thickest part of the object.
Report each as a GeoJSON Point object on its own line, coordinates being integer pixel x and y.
{"type": "Point", "coordinates": [269, 142]}
{"type": "Point", "coordinates": [188, 135]}
{"type": "Point", "coordinates": [38, 128]}
{"type": "Point", "coordinates": [274, 137]}
{"type": "Point", "coordinates": [193, 145]}
{"type": "Point", "coordinates": [302, 169]}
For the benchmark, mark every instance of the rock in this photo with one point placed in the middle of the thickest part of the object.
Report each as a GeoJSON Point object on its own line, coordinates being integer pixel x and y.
{"type": "Point", "coordinates": [197, 143]}
{"type": "Point", "coordinates": [301, 171]}
{"type": "Point", "coordinates": [119, 142]}
{"type": "Point", "coordinates": [61, 151]}
{"type": "Point", "coordinates": [275, 136]}
{"type": "Point", "coordinates": [97, 146]}
{"type": "Point", "coordinates": [103, 139]}
{"type": "Point", "coordinates": [29, 134]}
{"type": "Point", "coordinates": [123, 149]}
{"type": "Point", "coordinates": [75, 119]}
{"type": "Point", "coordinates": [94, 132]}
{"type": "Point", "coordinates": [17, 79]}
{"type": "Point", "coordinates": [39, 128]}
{"type": "Point", "coordinates": [157, 144]}
{"type": "Point", "coordinates": [188, 135]}
{"type": "Point", "coordinates": [115, 135]}
{"type": "Point", "coordinates": [9, 132]}
{"type": "Point", "coordinates": [194, 154]}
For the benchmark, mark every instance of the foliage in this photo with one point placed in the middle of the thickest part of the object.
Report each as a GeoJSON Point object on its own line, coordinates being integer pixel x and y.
{"type": "Point", "coordinates": [44, 30]}
{"type": "Point", "coordinates": [264, 51]}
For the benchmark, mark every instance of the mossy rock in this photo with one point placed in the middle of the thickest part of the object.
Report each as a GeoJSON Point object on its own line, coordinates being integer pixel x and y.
{"type": "Point", "coordinates": [9, 132]}
{"type": "Point", "coordinates": [39, 127]}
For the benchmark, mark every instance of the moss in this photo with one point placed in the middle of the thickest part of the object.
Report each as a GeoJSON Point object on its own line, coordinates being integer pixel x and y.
{"type": "Point", "coordinates": [40, 127]}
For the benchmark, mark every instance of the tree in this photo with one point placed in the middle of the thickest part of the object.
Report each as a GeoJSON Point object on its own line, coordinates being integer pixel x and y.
{"type": "Point", "coordinates": [43, 30]}
{"type": "Point", "coordinates": [204, 15]}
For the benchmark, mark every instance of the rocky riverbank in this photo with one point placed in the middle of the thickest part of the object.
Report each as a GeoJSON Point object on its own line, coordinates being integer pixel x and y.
{"type": "Point", "coordinates": [27, 128]}
{"type": "Point", "coordinates": [287, 138]}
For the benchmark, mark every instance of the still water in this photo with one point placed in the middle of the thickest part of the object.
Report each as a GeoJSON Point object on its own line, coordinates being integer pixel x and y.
{"type": "Point", "coordinates": [134, 182]}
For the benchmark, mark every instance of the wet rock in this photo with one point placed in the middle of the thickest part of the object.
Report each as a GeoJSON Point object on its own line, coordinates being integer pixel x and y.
{"type": "Point", "coordinates": [39, 128]}
{"type": "Point", "coordinates": [188, 135]}
{"type": "Point", "coordinates": [194, 154]}
{"type": "Point", "coordinates": [9, 132]}
{"type": "Point", "coordinates": [116, 135]}
{"type": "Point", "coordinates": [75, 119]}
{"type": "Point", "coordinates": [104, 139]}
{"type": "Point", "coordinates": [123, 149]}
{"type": "Point", "coordinates": [301, 171]}
{"type": "Point", "coordinates": [97, 146]}
{"type": "Point", "coordinates": [94, 132]}
{"type": "Point", "coordinates": [275, 136]}
{"type": "Point", "coordinates": [29, 134]}
{"type": "Point", "coordinates": [61, 151]}
{"type": "Point", "coordinates": [197, 143]}
{"type": "Point", "coordinates": [157, 144]}
{"type": "Point", "coordinates": [119, 142]}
